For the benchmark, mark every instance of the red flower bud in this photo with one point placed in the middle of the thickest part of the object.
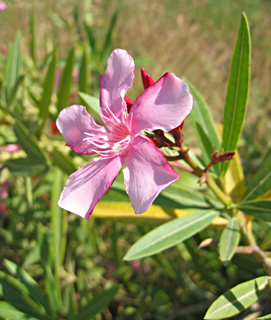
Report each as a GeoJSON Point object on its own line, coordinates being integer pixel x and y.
{"type": "Point", "coordinates": [146, 79]}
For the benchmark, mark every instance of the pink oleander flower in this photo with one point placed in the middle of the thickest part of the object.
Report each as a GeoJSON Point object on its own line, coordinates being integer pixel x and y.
{"type": "Point", "coordinates": [163, 105]}
{"type": "Point", "coordinates": [3, 6]}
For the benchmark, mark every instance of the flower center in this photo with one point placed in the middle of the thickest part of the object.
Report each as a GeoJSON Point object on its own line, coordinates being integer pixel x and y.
{"type": "Point", "coordinates": [112, 143]}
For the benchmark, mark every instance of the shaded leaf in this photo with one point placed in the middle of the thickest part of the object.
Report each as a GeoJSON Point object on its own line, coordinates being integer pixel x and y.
{"type": "Point", "coordinates": [237, 299]}
{"type": "Point", "coordinates": [229, 240]}
{"type": "Point", "coordinates": [64, 90]}
{"type": "Point", "coordinates": [261, 182]}
{"type": "Point", "coordinates": [34, 291]}
{"type": "Point", "coordinates": [260, 209]}
{"type": "Point", "coordinates": [170, 234]}
{"type": "Point", "coordinates": [97, 304]}
{"type": "Point", "coordinates": [64, 162]}
{"type": "Point", "coordinates": [13, 65]}
{"type": "Point", "coordinates": [25, 166]}
{"type": "Point", "coordinates": [48, 88]}
{"type": "Point", "coordinates": [204, 126]}
{"type": "Point", "coordinates": [237, 92]}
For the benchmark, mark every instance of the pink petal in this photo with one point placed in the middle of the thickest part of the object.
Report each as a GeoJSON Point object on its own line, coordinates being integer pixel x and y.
{"type": "Point", "coordinates": [114, 83]}
{"type": "Point", "coordinates": [3, 6]}
{"type": "Point", "coordinates": [146, 174]}
{"type": "Point", "coordinates": [164, 105]}
{"type": "Point", "coordinates": [88, 184]}
{"type": "Point", "coordinates": [73, 122]}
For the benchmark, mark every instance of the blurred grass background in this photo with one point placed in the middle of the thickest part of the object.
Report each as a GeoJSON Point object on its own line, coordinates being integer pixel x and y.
{"type": "Point", "coordinates": [194, 39]}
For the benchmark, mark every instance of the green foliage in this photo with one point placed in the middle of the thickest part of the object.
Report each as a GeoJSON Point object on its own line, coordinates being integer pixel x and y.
{"type": "Point", "coordinates": [237, 299]}
{"type": "Point", "coordinates": [57, 266]}
{"type": "Point", "coordinates": [237, 93]}
{"type": "Point", "coordinates": [229, 240]}
{"type": "Point", "coordinates": [170, 234]}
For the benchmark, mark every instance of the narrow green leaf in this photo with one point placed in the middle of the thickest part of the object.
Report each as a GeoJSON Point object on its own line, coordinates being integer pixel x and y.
{"type": "Point", "coordinates": [50, 279]}
{"type": "Point", "coordinates": [25, 166]}
{"type": "Point", "coordinates": [260, 209]}
{"type": "Point", "coordinates": [29, 143]}
{"type": "Point", "coordinates": [13, 64]}
{"type": "Point", "coordinates": [48, 87]}
{"type": "Point", "coordinates": [97, 304]}
{"type": "Point", "coordinates": [83, 73]}
{"type": "Point", "coordinates": [204, 123]}
{"type": "Point", "coordinates": [267, 317]}
{"type": "Point", "coordinates": [237, 299]}
{"type": "Point", "coordinates": [91, 38]}
{"type": "Point", "coordinates": [91, 102]}
{"type": "Point", "coordinates": [229, 240]}
{"type": "Point", "coordinates": [108, 38]}
{"type": "Point", "coordinates": [179, 197]}
{"type": "Point", "coordinates": [15, 89]}
{"type": "Point", "coordinates": [170, 234]}
{"type": "Point", "coordinates": [64, 162]}
{"type": "Point", "coordinates": [237, 92]}
{"type": "Point", "coordinates": [64, 90]}
{"type": "Point", "coordinates": [15, 293]}
{"type": "Point", "coordinates": [7, 311]}
{"type": "Point", "coordinates": [261, 182]}
{"type": "Point", "coordinates": [59, 221]}
{"type": "Point", "coordinates": [32, 44]}
{"type": "Point", "coordinates": [34, 291]}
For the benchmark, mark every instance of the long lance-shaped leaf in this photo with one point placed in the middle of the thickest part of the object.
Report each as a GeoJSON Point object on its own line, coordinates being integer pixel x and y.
{"type": "Point", "coordinates": [155, 215]}
{"type": "Point", "coordinates": [92, 103]}
{"type": "Point", "coordinates": [261, 182]}
{"type": "Point", "coordinates": [108, 37]}
{"type": "Point", "coordinates": [97, 304]}
{"type": "Point", "coordinates": [229, 240]}
{"type": "Point", "coordinates": [13, 65]}
{"type": "Point", "coordinates": [203, 122]}
{"type": "Point", "coordinates": [7, 311]}
{"type": "Point", "coordinates": [260, 209]}
{"type": "Point", "coordinates": [59, 221]}
{"type": "Point", "coordinates": [83, 73]}
{"type": "Point", "coordinates": [16, 294]}
{"type": "Point", "coordinates": [48, 87]}
{"type": "Point", "coordinates": [34, 291]}
{"type": "Point", "coordinates": [237, 93]}
{"type": "Point", "coordinates": [170, 234]}
{"type": "Point", "coordinates": [64, 162]}
{"type": "Point", "coordinates": [32, 42]}
{"type": "Point", "coordinates": [237, 299]}
{"type": "Point", "coordinates": [65, 83]}
{"type": "Point", "coordinates": [267, 317]}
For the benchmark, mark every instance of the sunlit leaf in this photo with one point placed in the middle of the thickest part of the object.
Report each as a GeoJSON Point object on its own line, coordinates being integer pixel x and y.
{"type": "Point", "coordinates": [170, 234]}
{"type": "Point", "coordinates": [229, 240]}
{"type": "Point", "coordinates": [7, 311]}
{"type": "Point", "coordinates": [92, 103]}
{"type": "Point", "coordinates": [234, 179]}
{"type": "Point", "coordinates": [260, 209]}
{"type": "Point", "coordinates": [237, 299]}
{"type": "Point", "coordinates": [261, 182]}
{"type": "Point", "coordinates": [237, 92]}
{"type": "Point", "coordinates": [267, 317]}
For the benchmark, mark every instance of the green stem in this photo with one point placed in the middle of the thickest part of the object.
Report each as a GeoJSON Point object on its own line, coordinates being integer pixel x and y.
{"type": "Point", "coordinates": [203, 175]}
